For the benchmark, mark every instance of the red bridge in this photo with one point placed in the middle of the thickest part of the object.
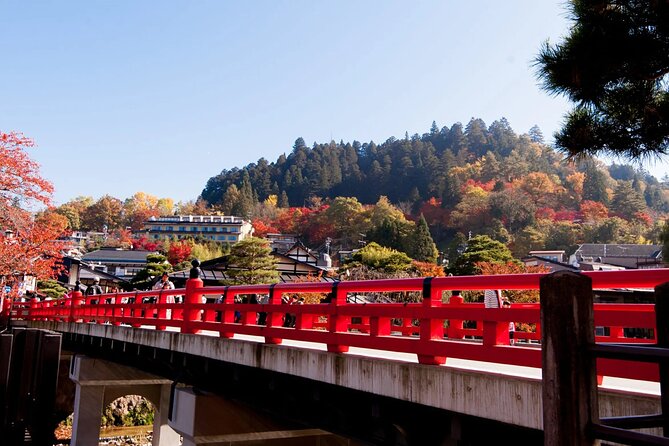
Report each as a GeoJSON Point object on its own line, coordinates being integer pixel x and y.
{"type": "Point", "coordinates": [436, 333]}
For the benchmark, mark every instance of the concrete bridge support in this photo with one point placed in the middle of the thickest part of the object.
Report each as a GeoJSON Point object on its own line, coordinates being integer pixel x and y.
{"type": "Point", "coordinates": [206, 419]}
{"type": "Point", "coordinates": [100, 382]}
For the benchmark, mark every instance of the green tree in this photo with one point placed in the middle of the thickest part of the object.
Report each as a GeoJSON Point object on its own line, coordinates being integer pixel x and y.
{"type": "Point", "coordinates": [250, 262]}
{"type": "Point", "coordinates": [422, 247]}
{"type": "Point", "coordinates": [594, 185]}
{"type": "Point", "coordinates": [283, 200]}
{"type": "Point", "coordinates": [536, 135]}
{"type": "Point", "coordinates": [612, 230]}
{"type": "Point", "coordinates": [51, 288]}
{"type": "Point", "coordinates": [480, 249]}
{"type": "Point", "coordinates": [378, 257]}
{"type": "Point", "coordinates": [391, 233]}
{"type": "Point", "coordinates": [664, 238]}
{"type": "Point", "coordinates": [156, 265]}
{"type": "Point", "coordinates": [627, 201]}
{"type": "Point", "coordinates": [613, 64]}
{"type": "Point", "coordinates": [348, 218]}
{"type": "Point", "coordinates": [72, 214]}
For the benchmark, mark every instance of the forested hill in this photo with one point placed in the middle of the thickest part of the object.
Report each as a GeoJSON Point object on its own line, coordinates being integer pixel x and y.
{"type": "Point", "coordinates": [417, 168]}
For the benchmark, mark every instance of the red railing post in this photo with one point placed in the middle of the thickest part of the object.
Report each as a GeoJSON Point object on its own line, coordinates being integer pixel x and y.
{"type": "Point", "coordinates": [117, 312]}
{"type": "Point", "coordinates": [32, 309]}
{"type": "Point", "coordinates": [75, 301]}
{"type": "Point", "coordinates": [162, 312]}
{"type": "Point", "coordinates": [136, 312]}
{"type": "Point", "coordinates": [430, 328]}
{"type": "Point", "coordinates": [228, 313]}
{"type": "Point", "coordinates": [336, 322]}
{"type": "Point", "coordinates": [274, 317]}
{"type": "Point", "coordinates": [191, 314]}
{"type": "Point", "coordinates": [379, 326]}
{"type": "Point", "coordinates": [495, 332]}
{"type": "Point", "coordinates": [617, 332]}
{"type": "Point", "coordinates": [456, 326]}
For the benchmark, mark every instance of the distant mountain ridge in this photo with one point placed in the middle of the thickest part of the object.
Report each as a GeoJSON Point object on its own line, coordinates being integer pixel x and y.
{"type": "Point", "coordinates": [413, 169]}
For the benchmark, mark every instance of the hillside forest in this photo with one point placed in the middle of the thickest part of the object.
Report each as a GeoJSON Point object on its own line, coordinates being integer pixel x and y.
{"type": "Point", "coordinates": [450, 184]}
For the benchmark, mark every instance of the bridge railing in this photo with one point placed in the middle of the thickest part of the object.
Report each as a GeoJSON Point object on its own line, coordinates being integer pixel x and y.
{"type": "Point", "coordinates": [433, 330]}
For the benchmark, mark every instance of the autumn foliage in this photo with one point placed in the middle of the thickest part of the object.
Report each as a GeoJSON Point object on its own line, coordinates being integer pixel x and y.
{"type": "Point", "coordinates": [514, 267]}
{"type": "Point", "coordinates": [28, 245]}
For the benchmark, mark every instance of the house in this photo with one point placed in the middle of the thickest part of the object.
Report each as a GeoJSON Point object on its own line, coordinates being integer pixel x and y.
{"type": "Point", "coordinates": [76, 270]}
{"type": "Point", "coordinates": [121, 263]}
{"type": "Point", "coordinates": [79, 238]}
{"type": "Point", "coordinates": [552, 265]}
{"type": "Point", "coordinates": [290, 270]}
{"type": "Point", "coordinates": [220, 228]}
{"type": "Point", "coordinates": [628, 256]}
{"type": "Point", "coordinates": [281, 242]}
{"type": "Point", "coordinates": [555, 256]}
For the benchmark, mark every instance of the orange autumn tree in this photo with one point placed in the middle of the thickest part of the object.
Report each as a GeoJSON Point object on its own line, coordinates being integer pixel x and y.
{"type": "Point", "coordinates": [28, 244]}
{"type": "Point", "coordinates": [513, 267]}
{"type": "Point", "coordinates": [517, 296]}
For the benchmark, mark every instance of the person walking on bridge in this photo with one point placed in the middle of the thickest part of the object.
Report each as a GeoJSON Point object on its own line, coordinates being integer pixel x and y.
{"type": "Point", "coordinates": [94, 290]}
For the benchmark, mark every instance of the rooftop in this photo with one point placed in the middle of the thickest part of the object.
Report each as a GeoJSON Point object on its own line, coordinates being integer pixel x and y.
{"type": "Point", "coordinates": [618, 250]}
{"type": "Point", "coordinates": [197, 219]}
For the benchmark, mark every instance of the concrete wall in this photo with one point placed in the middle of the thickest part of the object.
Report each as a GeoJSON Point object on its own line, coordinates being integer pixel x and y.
{"type": "Point", "coordinates": [496, 396]}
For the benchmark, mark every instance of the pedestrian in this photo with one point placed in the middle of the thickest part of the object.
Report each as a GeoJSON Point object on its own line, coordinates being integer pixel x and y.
{"type": "Point", "coordinates": [492, 299]}
{"type": "Point", "coordinates": [94, 290]}
{"type": "Point", "coordinates": [162, 285]}
{"type": "Point", "coordinates": [512, 325]}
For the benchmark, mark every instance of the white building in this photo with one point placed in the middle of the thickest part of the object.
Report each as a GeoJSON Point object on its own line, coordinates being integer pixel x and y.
{"type": "Point", "coordinates": [221, 228]}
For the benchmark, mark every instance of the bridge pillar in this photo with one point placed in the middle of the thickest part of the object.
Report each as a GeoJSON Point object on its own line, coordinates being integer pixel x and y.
{"type": "Point", "coordinates": [100, 382]}
{"type": "Point", "coordinates": [87, 414]}
{"type": "Point", "coordinates": [206, 419]}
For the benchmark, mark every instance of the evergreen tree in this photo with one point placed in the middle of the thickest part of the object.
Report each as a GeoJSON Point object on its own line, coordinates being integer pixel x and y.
{"type": "Point", "coordinates": [283, 200]}
{"type": "Point", "coordinates": [626, 201]}
{"type": "Point", "coordinates": [480, 249]}
{"type": "Point", "coordinates": [156, 265]}
{"type": "Point", "coordinates": [299, 145]}
{"type": "Point", "coordinates": [456, 247]}
{"type": "Point", "coordinates": [230, 199]}
{"type": "Point", "coordinates": [594, 186]}
{"type": "Point", "coordinates": [250, 262]}
{"type": "Point", "coordinates": [476, 134]}
{"type": "Point", "coordinates": [422, 247]}
{"type": "Point", "coordinates": [613, 64]}
{"type": "Point", "coordinates": [391, 233]}
{"type": "Point", "coordinates": [664, 238]}
{"type": "Point", "coordinates": [536, 135]}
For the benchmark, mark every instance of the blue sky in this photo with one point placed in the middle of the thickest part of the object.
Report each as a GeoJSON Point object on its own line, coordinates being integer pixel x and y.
{"type": "Point", "coordinates": [158, 96]}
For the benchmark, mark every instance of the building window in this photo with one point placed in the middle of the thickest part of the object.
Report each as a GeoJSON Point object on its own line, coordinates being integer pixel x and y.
{"type": "Point", "coordinates": [193, 228]}
{"type": "Point", "coordinates": [231, 237]}
{"type": "Point", "coordinates": [170, 228]}
{"type": "Point", "coordinates": [221, 237]}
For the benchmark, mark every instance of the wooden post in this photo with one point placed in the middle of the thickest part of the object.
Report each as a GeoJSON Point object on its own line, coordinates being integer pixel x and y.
{"type": "Point", "coordinates": [662, 335]}
{"type": "Point", "coordinates": [568, 368]}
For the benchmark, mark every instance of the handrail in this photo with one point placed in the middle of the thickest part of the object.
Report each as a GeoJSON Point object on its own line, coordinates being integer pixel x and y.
{"type": "Point", "coordinates": [431, 330]}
